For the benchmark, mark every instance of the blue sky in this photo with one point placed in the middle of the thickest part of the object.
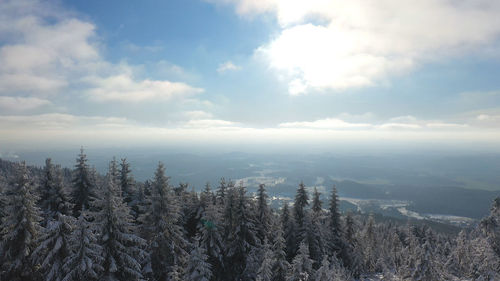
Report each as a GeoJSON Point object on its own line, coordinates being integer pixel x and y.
{"type": "Point", "coordinates": [220, 72]}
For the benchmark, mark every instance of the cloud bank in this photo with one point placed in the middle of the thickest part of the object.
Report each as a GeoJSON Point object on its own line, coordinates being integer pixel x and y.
{"type": "Point", "coordinates": [336, 45]}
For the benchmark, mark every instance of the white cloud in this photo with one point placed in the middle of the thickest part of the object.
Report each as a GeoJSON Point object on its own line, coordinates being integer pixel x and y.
{"type": "Point", "coordinates": [124, 88]}
{"type": "Point", "coordinates": [334, 44]}
{"type": "Point", "coordinates": [227, 66]}
{"type": "Point", "coordinates": [58, 121]}
{"type": "Point", "coordinates": [208, 123]}
{"type": "Point", "coordinates": [399, 126]}
{"type": "Point", "coordinates": [47, 51]}
{"type": "Point", "coordinates": [328, 123]}
{"type": "Point", "coordinates": [198, 114]}
{"type": "Point", "coordinates": [16, 104]}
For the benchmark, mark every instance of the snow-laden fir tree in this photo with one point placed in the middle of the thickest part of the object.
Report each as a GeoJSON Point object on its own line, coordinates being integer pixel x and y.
{"type": "Point", "coordinates": [83, 186]}
{"type": "Point", "coordinates": [299, 211]}
{"type": "Point", "coordinates": [221, 192]}
{"type": "Point", "coordinates": [334, 232]}
{"type": "Point", "coordinates": [313, 238]}
{"type": "Point", "coordinates": [302, 265]}
{"type": "Point", "coordinates": [20, 229]}
{"type": "Point", "coordinates": [426, 267]}
{"type": "Point", "coordinates": [316, 203]}
{"type": "Point", "coordinates": [491, 226]}
{"type": "Point", "coordinates": [369, 240]}
{"type": "Point", "coordinates": [47, 183]}
{"type": "Point", "coordinates": [265, 272]}
{"type": "Point", "coordinates": [263, 214]}
{"type": "Point", "coordinates": [324, 273]}
{"type": "Point", "coordinates": [198, 269]}
{"type": "Point", "coordinates": [459, 261]}
{"type": "Point", "coordinates": [54, 240]}
{"type": "Point", "coordinates": [122, 249]}
{"type": "Point", "coordinates": [280, 265]}
{"type": "Point", "coordinates": [288, 226]}
{"type": "Point", "coordinates": [84, 261]}
{"type": "Point", "coordinates": [211, 238]}
{"type": "Point", "coordinates": [127, 183]}
{"type": "Point", "coordinates": [57, 200]}
{"type": "Point", "coordinates": [167, 242]}
{"type": "Point", "coordinates": [243, 236]}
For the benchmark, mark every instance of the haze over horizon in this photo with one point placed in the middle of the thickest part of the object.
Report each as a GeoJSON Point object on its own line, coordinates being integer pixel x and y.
{"type": "Point", "coordinates": [246, 75]}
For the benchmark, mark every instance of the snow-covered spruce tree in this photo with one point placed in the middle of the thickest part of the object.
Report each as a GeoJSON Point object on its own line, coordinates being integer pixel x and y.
{"type": "Point", "coordinates": [299, 211]}
{"type": "Point", "coordinates": [221, 192]}
{"type": "Point", "coordinates": [334, 232]}
{"type": "Point", "coordinates": [288, 226]}
{"type": "Point", "coordinates": [302, 269]}
{"type": "Point", "coordinates": [280, 265]}
{"type": "Point", "coordinates": [370, 246]}
{"type": "Point", "coordinates": [352, 246]}
{"type": "Point", "coordinates": [175, 274]}
{"type": "Point", "coordinates": [20, 229]}
{"type": "Point", "coordinates": [263, 214]}
{"type": "Point", "coordinates": [85, 259]}
{"type": "Point", "coordinates": [265, 270]}
{"type": "Point", "coordinates": [54, 247]}
{"type": "Point", "coordinates": [58, 201]}
{"type": "Point", "coordinates": [83, 192]}
{"type": "Point", "coordinates": [242, 238]}
{"type": "Point", "coordinates": [47, 182]}
{"type": "Point", "coordinates": [167, 242]}
{"type": "Point", "coordinates": [198, 269]}
{"type": "Point", "coordinates": [122, 249]}
{"type": "Point", "coordinates": [127, 183]}
{"type": "Point", "coordinates": [324, 273]}
{"type": "Point", "coordinates": [316, 203]}
{"type": "Point", "coordinates": [490, 226]}
{"type": "Point", "coordinates": [426, 267]}
{"type": "Point", "coordinates": [211, 239]}
{"type": "Point", "coordinates": [55, 238]}
{"type": "Point", "coordinates": [459, 261]}
{"type": "Point", "coordinates": [313, 239]}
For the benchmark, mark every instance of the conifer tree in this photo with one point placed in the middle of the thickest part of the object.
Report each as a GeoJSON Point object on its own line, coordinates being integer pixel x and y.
{"type": "Point", "coordinates": [85, 259]}
{"type": "Point", "coordinates": [83, 193]}
{"type": "Point", "coordinates": [127, 183]}
{"type": "Point", "coordinates": [221, 192]}
{"type": "Point", "coordinates": [263, 214]}
{"type": "Point", "coordinates": [302, 265]}
{"type": "Point", "coordinates": [316, 204]}
{"type": "Point", "coordinates": [324, 273]}
{"type": "Point", "coordinates": [20, 228]}
{"type": "Point", "coordinates": [334, 225]}
{"type": "Point", "coordinates": [198, 269]}
{"type": "Point", "coordinates": [280, 265]}
{"type": "Point", "coordinates": [243, 237]}
{"type": "Point", "coordinates": [167, 239]}
{"type": "Point", "coordinates": [313, 239]}
{"type": "Point", "coordinates": [301, 201]}
{"type": "Point", "coordinates": [47, 183]}
{"type": "Point", "coordinates": [265, 270]}
{"type": "Point", "coordinates": [289, 234]}
{"type": "Point", "coordinates": [211, 240]}
{"type": "Point", "coordinates": [122, 249]}
{"type": "Point", "coordinates": [55, 238]}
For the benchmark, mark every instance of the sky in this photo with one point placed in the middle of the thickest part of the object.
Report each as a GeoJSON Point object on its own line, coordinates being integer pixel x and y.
{"type": "Point", "coordinates": [235, 73]}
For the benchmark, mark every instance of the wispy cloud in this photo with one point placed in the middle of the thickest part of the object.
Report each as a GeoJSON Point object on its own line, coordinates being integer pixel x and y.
{"type": "Point", "coordinates": [20, 104]}
{"type": "Point", "coordinates": [328, 123]}
{"type": "Point", "coordinates": [124, 88]}
{"type": "Point", "coordinates": [228, 66]}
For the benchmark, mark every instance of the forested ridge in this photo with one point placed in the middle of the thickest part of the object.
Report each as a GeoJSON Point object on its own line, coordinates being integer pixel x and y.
{"type": "Point", "coordinates": [61, 224]}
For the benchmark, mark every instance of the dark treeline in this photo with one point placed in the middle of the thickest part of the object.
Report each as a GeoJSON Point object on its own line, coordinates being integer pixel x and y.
{"type": "Point", "coordinates": [58, 224]}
